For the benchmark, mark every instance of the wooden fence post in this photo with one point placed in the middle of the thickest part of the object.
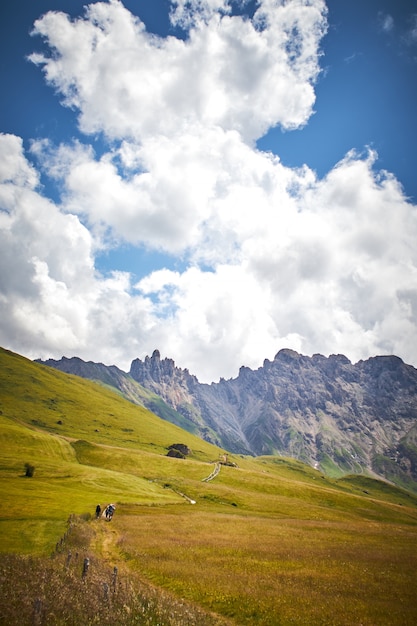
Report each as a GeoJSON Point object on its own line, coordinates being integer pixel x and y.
{"type": "Point", "coordinates": [86, 566]}
{"type": "Point", "coordinates": [37, 612]}
{"type": "Point", "coordinates": [114, 578]}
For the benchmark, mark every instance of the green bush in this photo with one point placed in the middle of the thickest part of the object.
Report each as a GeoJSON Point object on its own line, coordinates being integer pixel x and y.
{"type": "Point", "coordinates": [29, 470]}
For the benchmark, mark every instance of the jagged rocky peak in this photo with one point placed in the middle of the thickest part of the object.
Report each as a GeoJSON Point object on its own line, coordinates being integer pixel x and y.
{"type": "Point", "coordinates": [384, 362]}
{"type": "Point", "coordinates": [244, 371]}
{"type": "Point", "coordinates": [287, 355]}
{"type": "Point", "coordinates": [340, 358]}
{"type": "Point", "coordinates": [64, 359]}
{"type": "Point", "coordinates": [173, 384]}
{"type": "Point", "coordinates": [284, 356]}
{"type": "Point", "coordinates": [159, 370]}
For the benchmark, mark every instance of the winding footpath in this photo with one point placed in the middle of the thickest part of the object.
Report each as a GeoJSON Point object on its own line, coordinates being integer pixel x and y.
{"type": "Point", "coordinates": [213, 474]}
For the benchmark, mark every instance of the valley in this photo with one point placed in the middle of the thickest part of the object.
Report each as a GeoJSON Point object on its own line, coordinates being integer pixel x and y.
{"type": "Point", "coordinates": [268, 540]}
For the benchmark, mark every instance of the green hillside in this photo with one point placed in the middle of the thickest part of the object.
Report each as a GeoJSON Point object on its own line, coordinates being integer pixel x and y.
{"type": "Point", "coordinates": [262, 540]}
{"type": "Point", "coordinates": [50, 420]}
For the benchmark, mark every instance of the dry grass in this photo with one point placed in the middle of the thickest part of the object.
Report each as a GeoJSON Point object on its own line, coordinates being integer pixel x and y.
{"type": "Point", "coordinates": [40, 591]}
{"type": "Point", "coordinates": [269, 571]}
{"type": "Point", "coordinates": [191, 567]}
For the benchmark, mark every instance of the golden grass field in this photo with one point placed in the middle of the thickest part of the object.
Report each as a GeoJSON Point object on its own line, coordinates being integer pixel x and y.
{"type": "Point", "coordinates": [269, 542]}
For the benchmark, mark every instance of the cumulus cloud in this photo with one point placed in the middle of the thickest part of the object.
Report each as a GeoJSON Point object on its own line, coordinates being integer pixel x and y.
{"type": "Point", "coordinates": [239, 74]}
{"type": "Point", "coordinates": [318, 273]}
{"type": "Point", "coordinates": [274, 257]}
{"type": "Point", "coordinates": [52, 301]}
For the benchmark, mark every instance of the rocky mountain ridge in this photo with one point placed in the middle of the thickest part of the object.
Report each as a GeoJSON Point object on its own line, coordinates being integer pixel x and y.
{"type": "Point", "coordinates": [335, 415]}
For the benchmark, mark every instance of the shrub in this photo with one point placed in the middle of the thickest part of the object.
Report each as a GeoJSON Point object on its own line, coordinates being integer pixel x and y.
{"type": "Point", "coordinates": [178, 450]}
{"type": "Point", "coordinates": [29, 470]}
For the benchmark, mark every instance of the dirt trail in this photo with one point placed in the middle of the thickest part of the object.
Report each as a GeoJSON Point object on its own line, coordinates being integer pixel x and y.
{"type": "Point", "coordinates": [104, 546]}
{"type": "Point", "coordinates": [213, 474]}
{"type": "Point", "coordinates": [104, 543]}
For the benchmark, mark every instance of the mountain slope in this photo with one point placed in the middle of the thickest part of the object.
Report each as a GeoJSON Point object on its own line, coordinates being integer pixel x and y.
{"type": "Point", "coordinates": [68, 406]}
{"type": "Point", "coordinates": [115, 379]}
{"type": "Point", "coordinates": [87, 445]}
{"type": "Point", "coordinates": [328, 412]}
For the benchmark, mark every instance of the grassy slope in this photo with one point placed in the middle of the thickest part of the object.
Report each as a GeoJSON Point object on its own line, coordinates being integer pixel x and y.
{"type": "Point", "coordinates": [268, 542]}
{"type": "Point", "coordinates": [44, 413]}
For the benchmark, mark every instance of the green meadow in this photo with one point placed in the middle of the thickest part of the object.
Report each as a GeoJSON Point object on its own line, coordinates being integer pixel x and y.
{"type": "Point", "coordinates": [267, 541]}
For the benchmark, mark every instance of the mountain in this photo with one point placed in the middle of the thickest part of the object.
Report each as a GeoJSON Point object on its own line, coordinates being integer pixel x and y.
{"type": "Point", "coordinates": [207, 538]}
{"type": "Point", "coordinates": [335, 415]}
{"type": "Point", "coordinates": [115, 379]}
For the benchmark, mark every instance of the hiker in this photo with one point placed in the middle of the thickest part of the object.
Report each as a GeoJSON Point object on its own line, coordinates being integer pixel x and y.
{"type": "Point", "coordinates": [109, 511]}
{"type": "Point", "coordinates": [98, 511]}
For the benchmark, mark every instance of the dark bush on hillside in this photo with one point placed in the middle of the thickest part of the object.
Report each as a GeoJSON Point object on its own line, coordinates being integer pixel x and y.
{"type": "Point", "coordinates": [29, 470]}
{"type": "Point", "coordinates": [178, 450]}
{"type": "Point", "coordinates": [176, 454]}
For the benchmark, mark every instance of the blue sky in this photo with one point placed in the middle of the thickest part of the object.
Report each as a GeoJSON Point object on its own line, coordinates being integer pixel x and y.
{"type": "Point", "coordinates": [214, 179]}
{"type": "Point", "coordinates": [367, 93]}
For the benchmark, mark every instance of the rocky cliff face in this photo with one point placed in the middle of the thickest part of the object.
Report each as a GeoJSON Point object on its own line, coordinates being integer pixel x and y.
{"type": "Point", "coordinates": [328, 412]}
{"type": "Point", "coordinates": [179, 389]}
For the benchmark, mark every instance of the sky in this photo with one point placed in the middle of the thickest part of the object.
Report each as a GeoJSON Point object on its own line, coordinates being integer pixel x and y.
{"type": "Point", "coordinates": [215, 179]}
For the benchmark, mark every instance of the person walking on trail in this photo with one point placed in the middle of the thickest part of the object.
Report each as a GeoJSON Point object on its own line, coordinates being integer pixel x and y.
{"type": "Point", "coordinates": [98, 511]}
{"type": "Point", "coordinates": [110, 511]}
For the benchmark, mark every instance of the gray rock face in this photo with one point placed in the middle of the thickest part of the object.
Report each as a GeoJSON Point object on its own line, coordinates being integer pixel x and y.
{"type": "Point", "coordinates": [328, 412]}
{"type": "Point", "coordinates": [335, 415]}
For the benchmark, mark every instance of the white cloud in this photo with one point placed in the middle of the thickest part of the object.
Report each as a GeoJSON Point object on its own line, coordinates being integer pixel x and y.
{"type": "Point", "coordinates": [275, 257]}
{"type": "Point", "coordinates": [405, 31]}
{"type": "Point", "coordinates": [386, 22]}
{"type": "Point", "coordinates": [188, 13]}
{"type": "Point", "coordinates": [193, 192]}
{"type": "Point", "coordinates": [14, 166]}
{"type": "Point", "coordinates": [234, 73]}
{"type": "Point", "coordinates": [51, 298]}
{"type": "Point", "coordinates": [334, 270]}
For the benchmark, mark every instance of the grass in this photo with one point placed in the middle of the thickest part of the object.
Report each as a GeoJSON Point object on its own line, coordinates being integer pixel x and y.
{"type": "Point", "coordinates": [54, 591]}
{"type": "Point", "coordinates": [44, 399]}
{"type": "Point", "coordinates": [269, 542]}
{"type": "Point", "coordinates": [268, 571]}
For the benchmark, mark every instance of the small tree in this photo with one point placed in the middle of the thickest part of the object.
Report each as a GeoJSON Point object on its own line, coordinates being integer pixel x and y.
{"type": "Point", "coordinates": [29, 470]}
